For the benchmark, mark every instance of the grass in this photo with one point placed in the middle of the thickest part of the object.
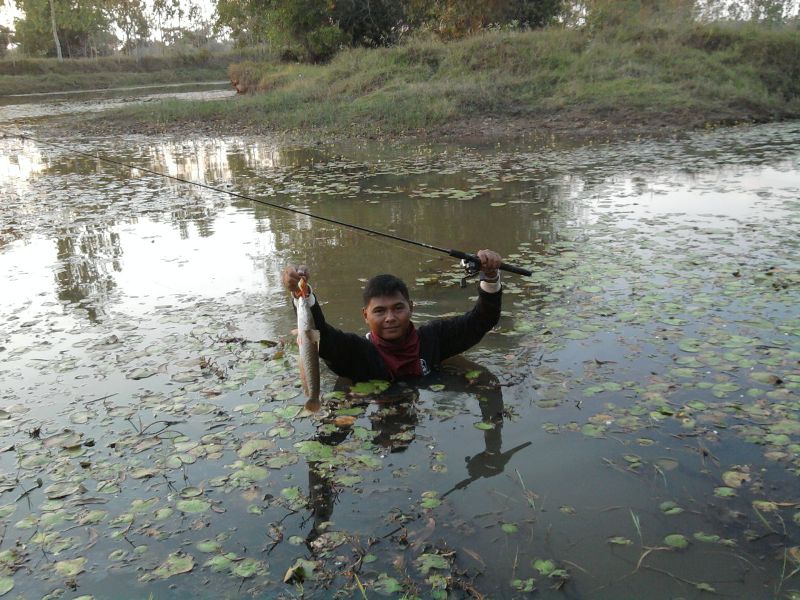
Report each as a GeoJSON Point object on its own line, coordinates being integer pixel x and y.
{"type": "Point", "coordinates": [30, 75]}
{"type": "Point", "coordinates": [675, 72]}
{"type": "Point", "coordinates": [57, 82]}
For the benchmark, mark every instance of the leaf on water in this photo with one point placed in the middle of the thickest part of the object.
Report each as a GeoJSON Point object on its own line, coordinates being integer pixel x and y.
{"type": "Point", "coordinates": [676, 540]}
{"type": "Point", "coordinates": [208, 546]}
{"type": "Point", "coordinates": [592, 431]}
{"type": "Point", "coordinates": [143, 473]}
{"type": "Point", "coordinates": [735, 479]}
{"type": "Point", "coordinates": [618, 540]}
{"type": "Point", "coordinates": [386, 585]}
{"type": "Point", "coordinates": [62, 490]}
{"type": "Point", "coordinates": [367, 388]}
{"type": "Point", "coordinates": [65, 439]}
{"type": "Point", "coordinates": [436, 387]}
{"type": "Point", "coordinates": [765, 505]}
{"type": "Point", "coordinates": [430, 499]}
{"type": "Point", "coordinates": [175, 564]}
{"type": "Point", "coordinates": [706, 537]}
{"type": "Point", "coordinates": [70, 568]}
{"type": "Point", "coordinates": [426, 562]}
{"type": "Point", "coordinates": [282, 431]}
{"type": "Point", "coordinates": [301, 570]}
{"type": "Point", "coordinates": [92, 517]}
{"type": "Point", "coordinates": [509, 527]}
{"type": "Point", "coordinates": [249, 474]}
{"type": "Point", "coordinates": [483, 425]}
{"type": "Point", "coordinates": [250, 447]}
{"type": "Point", "coordinates": [670, 508]}
{"type": "Point", "coordinates": [163, 513]}
{"type": "Point", "coordinates": [282, 459]}
{"type": "Point", "coordinates": [194, 505]}
{"type": "Point", "coordinates": [704, 587]}
{"type": "Point", "coordinates": [545, 566]}
{"type": "Point", "coordinates": [249, 567]}
{"type": "Point", "coordinates": [6, 585]}
{"type": "Point", "coordinates": [221, 562]}
{"type": "Point", "coordinates": [724, 492]}
{"type": "Point", "coordinates": [667, 464]}
{"type": "Point", "coordinates": [524, 585]}
{"type": "Point", "coordinates": [142, 373]}
{"type": "Point", "coordinates": [191, 491]}
{"type": "Point", "coordinates": [690, 345]}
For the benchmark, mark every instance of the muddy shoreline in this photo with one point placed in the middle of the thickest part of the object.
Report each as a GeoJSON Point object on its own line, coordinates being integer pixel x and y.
{"type": "Point", "coordinates": [569, 126]}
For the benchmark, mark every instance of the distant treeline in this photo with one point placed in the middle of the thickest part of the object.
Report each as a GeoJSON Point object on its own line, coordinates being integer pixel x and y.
{"type": "Point", "coordinates": [315, 30]}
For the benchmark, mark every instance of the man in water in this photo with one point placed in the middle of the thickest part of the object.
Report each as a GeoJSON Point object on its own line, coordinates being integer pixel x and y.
{"type": "Point", "coordinates": [394, 348]}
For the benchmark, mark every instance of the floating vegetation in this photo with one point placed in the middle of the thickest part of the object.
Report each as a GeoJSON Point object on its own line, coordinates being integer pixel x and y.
{"type": "Point", "coordinates": [633, 422]}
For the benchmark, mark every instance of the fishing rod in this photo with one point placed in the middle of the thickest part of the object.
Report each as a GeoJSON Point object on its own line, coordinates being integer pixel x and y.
{"type": "Point", "coordinates": [471, 262]}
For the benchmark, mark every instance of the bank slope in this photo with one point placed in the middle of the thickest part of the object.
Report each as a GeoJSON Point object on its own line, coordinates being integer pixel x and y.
{"type": "Point", "coordinates": [647, 75]}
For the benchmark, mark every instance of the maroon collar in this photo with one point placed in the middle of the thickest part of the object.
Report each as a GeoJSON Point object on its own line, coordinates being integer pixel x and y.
{"type": "Point", "coordinates": [401, 357]}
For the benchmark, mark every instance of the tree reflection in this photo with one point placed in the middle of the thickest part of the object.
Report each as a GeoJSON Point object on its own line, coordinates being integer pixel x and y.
{"type": "Point", "coordinates": [86, 256]}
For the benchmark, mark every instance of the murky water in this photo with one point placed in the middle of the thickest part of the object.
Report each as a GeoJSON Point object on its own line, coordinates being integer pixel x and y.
{"type": "Point", "coordinates": [639, 394]}
{"type": "Point", "coordinates": [20, 107]}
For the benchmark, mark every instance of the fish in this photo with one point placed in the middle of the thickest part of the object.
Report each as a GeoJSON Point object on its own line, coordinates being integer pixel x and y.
{"type": "Point", "coordinates": [308, 346]}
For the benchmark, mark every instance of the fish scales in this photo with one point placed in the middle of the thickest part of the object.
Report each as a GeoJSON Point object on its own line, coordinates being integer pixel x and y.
{"type": "Point", "coordinates": [308, 344]}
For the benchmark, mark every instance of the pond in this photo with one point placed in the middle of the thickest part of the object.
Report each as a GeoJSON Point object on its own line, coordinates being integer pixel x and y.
{"type": "Point", "coordinates": [632, 424]}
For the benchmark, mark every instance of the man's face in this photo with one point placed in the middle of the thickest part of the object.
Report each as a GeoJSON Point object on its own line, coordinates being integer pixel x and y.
{"type": "Point", "coordinates": [388, 317]}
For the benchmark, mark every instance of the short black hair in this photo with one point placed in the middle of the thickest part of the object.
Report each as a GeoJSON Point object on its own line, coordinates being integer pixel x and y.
{"type": "Point", "coordinates": [384, 285]}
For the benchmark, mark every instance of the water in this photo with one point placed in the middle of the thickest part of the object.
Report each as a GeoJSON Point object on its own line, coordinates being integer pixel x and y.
{"type": "Point", "coordinates": [641, 384]}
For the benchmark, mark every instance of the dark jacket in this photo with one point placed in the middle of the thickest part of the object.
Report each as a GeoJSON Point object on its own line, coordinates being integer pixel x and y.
{"type": "Point", "coordinates": [355, 357]}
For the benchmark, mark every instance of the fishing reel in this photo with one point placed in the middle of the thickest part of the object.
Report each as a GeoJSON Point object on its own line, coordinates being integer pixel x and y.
{"type": "Point", "coordinates": [471, 269]}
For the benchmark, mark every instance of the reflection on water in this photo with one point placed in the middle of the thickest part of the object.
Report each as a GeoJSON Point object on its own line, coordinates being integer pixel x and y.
{"type": "Point", "coordinates": [650, 359]}
{"type": "Point", "coordinates": [19, 110]}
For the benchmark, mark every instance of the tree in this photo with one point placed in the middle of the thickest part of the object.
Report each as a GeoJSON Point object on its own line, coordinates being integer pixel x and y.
{"type": "Point", "coordinates": [75, 24]}
{"type": "Point", "coordinates": [55, 30]}
{"type": "Point", "coordinates": [6, 37]}
{"type": "Point", "coordinates": [79, 28]}
{"type": "Point", "coordinates": [456, 18]}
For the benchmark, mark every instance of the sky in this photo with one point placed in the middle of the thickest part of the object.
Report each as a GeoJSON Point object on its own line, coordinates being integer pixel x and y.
{"type": "Point", "coordinates": [8, 12]}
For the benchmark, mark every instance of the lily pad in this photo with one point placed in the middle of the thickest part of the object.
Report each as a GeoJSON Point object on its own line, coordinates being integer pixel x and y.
{"type": "Point", "coordinates": [545, 566]}
{"type": "Point", "coordinates": [193, 505]}
{"type": "Point", "coordinates": [6, 585]}
{"type": "Point", "coordinates": [509, 527]}
{"type": "Point", "coordinates": [676, 540]}
{"type": "Point", "coordinates": [249, 567]}
{"type": "Point", "coordinates": [175, 564]}
{"type": "Point", "coordinates": [620, 541]}
{"type": "Point", "coordinates": [426, 562]}
{"type": "Point", "coordinates": [70, 568]}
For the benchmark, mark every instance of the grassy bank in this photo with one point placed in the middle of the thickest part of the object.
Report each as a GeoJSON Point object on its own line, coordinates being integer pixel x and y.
{"type": "Point", "coordinates": [682, 74]}
{"type": "Point", "coordinates": [30, 75]}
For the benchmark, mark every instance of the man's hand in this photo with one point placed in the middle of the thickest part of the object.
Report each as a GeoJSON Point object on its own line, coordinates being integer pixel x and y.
{"type": "Point", "coordinates": [291, 278]}
{"type": "Point", "coordinates": [490, 262]}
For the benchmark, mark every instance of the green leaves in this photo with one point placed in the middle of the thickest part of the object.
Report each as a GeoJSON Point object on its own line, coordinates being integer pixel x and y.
{"type": "Point", "coordinates": [175, 564]}
{"type": "Point", "coordinates": [676, 540]}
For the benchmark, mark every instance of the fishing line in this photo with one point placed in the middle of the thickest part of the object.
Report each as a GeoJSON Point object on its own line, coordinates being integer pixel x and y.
{"type": "Point", "coordinates": [471, 260]}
